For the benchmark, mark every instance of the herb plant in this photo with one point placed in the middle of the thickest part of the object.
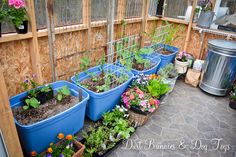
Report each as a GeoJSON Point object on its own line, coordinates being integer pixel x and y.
{"type": "Point", "coordinates": [62, 93]}
{"type": "Point", "coordinates": [168, 71]}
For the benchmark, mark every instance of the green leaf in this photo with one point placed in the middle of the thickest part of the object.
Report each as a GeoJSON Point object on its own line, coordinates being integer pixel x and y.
{"type": "Point", "coordinates": [59, 97]}
{"type": "Point", "coordinates": [25, 107]}
{"type": "Point", "coordinates": [65, 90]}
{"type": "Point", "coordinates": [34, 103]}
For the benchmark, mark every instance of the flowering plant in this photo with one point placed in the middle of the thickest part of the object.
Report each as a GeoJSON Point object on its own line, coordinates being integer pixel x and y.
{"type": "Point", "coordinates": [182, 56]}
{"type": "Point", "coordinates": [17, 12]}
{"type": "Point", "coordinates": [205, 5]}
{"type": "Point", "coordinates": [141, 81]}
{"type": "Point", "coordinates": [64, 148]}
{"type": "Point", "coordinates": [134, 97]}
{"type": "Point", "coordinates": [233, 93]}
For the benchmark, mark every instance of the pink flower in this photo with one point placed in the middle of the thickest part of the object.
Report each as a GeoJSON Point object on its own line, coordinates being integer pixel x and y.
{"type": "Point", "coordinates": [157, 102]}
{"type": "Point", "coordinates": [143, 103]}
{"type": "Point", "coordinates": [125, 99]}
{"type": "Point", "coordinates": [140, 96]}
{"type": "Point", "coordinates": [131, 97]}
{"type": "Point", "coordinates": [151, 110]}
{"type": "Point", "coordinates": [17, 3]}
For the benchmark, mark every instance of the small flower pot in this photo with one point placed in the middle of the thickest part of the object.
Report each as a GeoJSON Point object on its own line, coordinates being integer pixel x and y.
{"type": "Point", "coordinates": [205, 19]}
{"type": "Point", "coordinates": [232, 104]}
{"type": "Point", "coordinates": [22, 29]}
{"type": "Point", "coordinates": [77, 145]}
{"type": "Point", "coordinates": [181, 67]}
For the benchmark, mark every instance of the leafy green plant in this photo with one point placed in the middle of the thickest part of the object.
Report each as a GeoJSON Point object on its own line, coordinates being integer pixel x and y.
{"type": "Point", "coordinates": [3, 12]}
{"type": "Point", "coordinates": [157, 88]}
{"type": "Point", "coordinates": [46, 89]}
{"type": "Point", "coordinates": [168, 71]}
{"type": "Point", "coordinates": [31, 103]}
{"type": "Point", "coordinates": [121, 127]}
{"type": "Point", "coordinates": [114, 128]}
{"type": "Point", "coordinates": [62, 93]}
{"type": "Point", "coordinates": [139, 56]}
{"type": "Point", "coordinates": [85, 62]}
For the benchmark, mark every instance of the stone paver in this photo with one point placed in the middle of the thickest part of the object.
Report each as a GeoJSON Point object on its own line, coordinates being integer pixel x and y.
{"type": "Point", "coordinates": [190, 123]}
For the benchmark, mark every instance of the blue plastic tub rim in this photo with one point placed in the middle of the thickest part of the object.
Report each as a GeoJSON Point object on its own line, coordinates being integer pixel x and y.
{"type": "Point", "coordinates": [130, 74]}
{"type": "Point", "coordinates": [86, 98]}
{"type": "Point", "coordinates": [169, 47]}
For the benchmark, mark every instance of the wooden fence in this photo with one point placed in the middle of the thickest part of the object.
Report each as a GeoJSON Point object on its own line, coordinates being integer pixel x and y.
{"type": "Point", "coordinates": [85, 33]}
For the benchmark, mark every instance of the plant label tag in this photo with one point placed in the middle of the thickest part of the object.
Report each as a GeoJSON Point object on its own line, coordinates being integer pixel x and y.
{"type": "Point", "coordinates": [21, 27]}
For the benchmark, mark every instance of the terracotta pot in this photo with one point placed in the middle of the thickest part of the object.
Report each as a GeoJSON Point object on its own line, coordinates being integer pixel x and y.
{"type": "Point", "coordinates": [77, 144]}
{"type": "Point", "coordinates": [232, 104]}
{"type": "Point", "coordinates": [80, 151]}
{"type": "Point", "coordinates": [181, 67]}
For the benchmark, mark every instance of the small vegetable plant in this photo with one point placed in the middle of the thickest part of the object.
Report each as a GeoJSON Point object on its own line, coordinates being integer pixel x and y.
{"type": "Point", "coordinates": [62, 93]}
{"type": "Point", "coordinates": [157, 88]}
{"type": "Point", "coordinates": [139, 56]}
{"type": "Point", "coordinates": [115, 127]}
{"type": "Point", "coordinates": [31, 103]}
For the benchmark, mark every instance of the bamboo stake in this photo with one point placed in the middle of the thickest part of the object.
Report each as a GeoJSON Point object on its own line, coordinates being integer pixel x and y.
{"type": "Point", "coordinates": [190, 26]}
{"type": "Point", "coordinates": [144, 21]}
{"type": "Point", "coordinates": [34, 48]}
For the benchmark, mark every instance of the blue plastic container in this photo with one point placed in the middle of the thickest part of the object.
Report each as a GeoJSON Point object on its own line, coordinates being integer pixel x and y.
{"type": "Point", "coordinates": [166, 59]}
{"type": "Point", "coordinates": [38, 136]}
{"type": "Point", "coordinates": [100, 103]}
{"type": "Point", "coordinates": [155, 60]}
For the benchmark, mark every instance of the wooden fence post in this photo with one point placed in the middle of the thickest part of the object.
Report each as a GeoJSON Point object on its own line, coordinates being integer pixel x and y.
{"type": "Point", "coordinates": [190, 25]}
{"type": "Point", "coordinates": [145, 9]}
{"type": "Point", "coordinates": [121, 10]}
{"type": "Point", "coordinates": [87, 20]}
{"type": "Point", "coordinates": [51, 37]}
{"type": "Point", "coordinates": [34, 48]}
{"type": "Point", "coordinates": [7, 124]}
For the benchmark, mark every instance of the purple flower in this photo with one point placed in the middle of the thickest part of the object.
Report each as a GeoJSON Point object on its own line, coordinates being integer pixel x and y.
{"type": "Point", "coordinates": [26, 81]}
{"type": "Point", "coordinates": [34, 75]}
{"type": "Point", "coordinates": [61, 155]}
{"type": "Point", "coordinates": [49, 155]}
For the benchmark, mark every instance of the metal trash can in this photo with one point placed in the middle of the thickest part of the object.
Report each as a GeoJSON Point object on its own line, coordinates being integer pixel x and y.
{"type": "Point", "coordinates": [219, 69]}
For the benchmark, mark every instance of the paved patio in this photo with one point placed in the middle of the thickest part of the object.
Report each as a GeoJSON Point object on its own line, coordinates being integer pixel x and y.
{"type": "Point", "coordinates": [190, 123]}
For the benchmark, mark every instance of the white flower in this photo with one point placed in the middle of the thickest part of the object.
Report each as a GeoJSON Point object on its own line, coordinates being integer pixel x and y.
{"type": "Point", "coordinates": [104, 146]}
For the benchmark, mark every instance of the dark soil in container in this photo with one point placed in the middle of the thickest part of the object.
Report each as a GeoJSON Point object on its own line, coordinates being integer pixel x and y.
{"type": "Point", "coordinates": [140, 67]}
{"type": "Point", "coordinates": [92, 85]}
{"type": "Point", "coordinates": [46, 110]}
{"type": "Point", "coordinates": [162, 51]}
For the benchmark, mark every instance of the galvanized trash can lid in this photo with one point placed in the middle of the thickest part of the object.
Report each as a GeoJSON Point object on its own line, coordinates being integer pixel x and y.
{"type": "Point", "coordinates": [223, 46]}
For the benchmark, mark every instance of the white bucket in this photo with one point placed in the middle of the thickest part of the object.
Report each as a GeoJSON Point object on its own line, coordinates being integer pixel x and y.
{"type": "Point", "coordinates": [181, 67]}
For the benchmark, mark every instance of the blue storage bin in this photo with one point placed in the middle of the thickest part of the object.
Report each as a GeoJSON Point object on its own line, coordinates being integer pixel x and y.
{"type": "Point", "coordinates": [100, 103]}
{"type": "Point", "coordinates": [154, 58]}
{"type": "Point", "coordinates": [38, 136]}
{"type": "Point", "coordinates": [166, 59]}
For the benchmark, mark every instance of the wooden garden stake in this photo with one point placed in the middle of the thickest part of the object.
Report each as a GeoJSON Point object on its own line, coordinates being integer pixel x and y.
{"type": "Point", "coordinates": [190, 26]}
{"type": "Point", "coordinates": [7, 124]}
